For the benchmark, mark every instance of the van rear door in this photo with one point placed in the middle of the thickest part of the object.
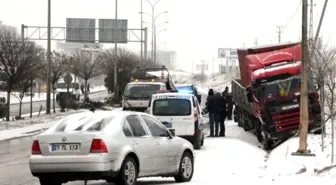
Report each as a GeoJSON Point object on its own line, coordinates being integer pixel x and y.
{"type": "Point", "coordinates": [175, 112]}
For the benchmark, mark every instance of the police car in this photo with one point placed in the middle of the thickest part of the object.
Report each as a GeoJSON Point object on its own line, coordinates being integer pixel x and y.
{"type": "Point", "coordinates": [182, 112]}
{"type": "Point", "coordinates": [190, 89]}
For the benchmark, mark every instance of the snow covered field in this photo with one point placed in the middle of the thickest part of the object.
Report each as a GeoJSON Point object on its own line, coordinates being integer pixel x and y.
{"type": "Point", "coordinates": [41, 96]}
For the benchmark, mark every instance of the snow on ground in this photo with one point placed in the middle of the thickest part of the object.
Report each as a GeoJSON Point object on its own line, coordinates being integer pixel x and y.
{"type": "Point", "coordinates": [282, 162]}
{"type": "Point", "coordinates": [32, 126]}
{"type": "Point", "coordinates": [41, 96]}
{"type": "Point", "coordinates": [21, 128]}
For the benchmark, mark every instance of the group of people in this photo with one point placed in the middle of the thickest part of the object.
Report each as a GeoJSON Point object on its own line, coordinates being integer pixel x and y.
{"type": "Point", "coordinates": [219, 106]}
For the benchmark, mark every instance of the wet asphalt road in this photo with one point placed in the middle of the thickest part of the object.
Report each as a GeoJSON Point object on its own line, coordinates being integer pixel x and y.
{"type": "Point", "coordinates": [14, 168]}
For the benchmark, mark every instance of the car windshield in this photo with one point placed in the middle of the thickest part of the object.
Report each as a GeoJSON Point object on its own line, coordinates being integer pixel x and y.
{"type": "Point", "coordinates": [282, 87]}
{"type": "Point", "coordinates": [172, 107]}
{"type": "Point", "coordinates": [141, 90]}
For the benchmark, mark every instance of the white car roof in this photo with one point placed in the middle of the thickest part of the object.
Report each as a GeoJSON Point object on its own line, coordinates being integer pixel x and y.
{"type": "Point", "coordinates": [144, 83]}
{"type": "Point", "coordinates": [173, 94]}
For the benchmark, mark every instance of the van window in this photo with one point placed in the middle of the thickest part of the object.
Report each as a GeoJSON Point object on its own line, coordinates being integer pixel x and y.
{"type": "Point", "coordinates": [170, 107]}
{"type": "Point", "coordinates": [141, 90]}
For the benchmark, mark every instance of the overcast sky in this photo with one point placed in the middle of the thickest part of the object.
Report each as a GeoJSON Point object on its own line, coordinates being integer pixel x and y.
{"type": "Point", "coordinates": [196, 28]}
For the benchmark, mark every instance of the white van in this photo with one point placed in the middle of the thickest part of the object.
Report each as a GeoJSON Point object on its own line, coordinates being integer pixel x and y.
{"type": "Point", "coordinates": [181, 112]}
{"type": "Point", "coordinates": [137, 94]}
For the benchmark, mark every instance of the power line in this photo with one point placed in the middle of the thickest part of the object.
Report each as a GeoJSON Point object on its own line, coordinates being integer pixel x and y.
{"type": "Point", "coordinates": [290, 19]}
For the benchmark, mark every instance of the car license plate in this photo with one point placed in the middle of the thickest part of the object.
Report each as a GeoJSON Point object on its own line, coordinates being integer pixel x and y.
{"type": "Point", "coordinates": [167, 124]}
{"type": "Point", "coordinates": [65, 147]}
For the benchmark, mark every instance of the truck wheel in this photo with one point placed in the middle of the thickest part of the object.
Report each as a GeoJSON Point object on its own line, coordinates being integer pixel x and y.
{"type": "Point", "coordinates": [239, 119]}
{"type": "Point", "coordinates": [246, 125]}
{"type": "Point", "coordinates": [257, 131]}
{"type": "Point", "coordinates": [266, 141]}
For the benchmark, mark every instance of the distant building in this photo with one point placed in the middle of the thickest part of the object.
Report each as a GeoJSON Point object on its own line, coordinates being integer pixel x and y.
{"type": "Point", "coordinates": [167, 58]}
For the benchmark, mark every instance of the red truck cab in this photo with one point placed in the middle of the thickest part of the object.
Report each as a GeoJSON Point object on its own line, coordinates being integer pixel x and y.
{"type": "Point", "coordinates": [271, 80]}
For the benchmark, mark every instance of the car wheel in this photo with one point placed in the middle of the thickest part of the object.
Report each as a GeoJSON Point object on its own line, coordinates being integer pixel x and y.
{"type": "Point", "coordinates": [128, 173]}
{"type": "Point", "coordinates": [186, 169]}
{"type": "Point", "coordinates": [48, 181]}
{"type": "Point", "coordinates": [197, 144]}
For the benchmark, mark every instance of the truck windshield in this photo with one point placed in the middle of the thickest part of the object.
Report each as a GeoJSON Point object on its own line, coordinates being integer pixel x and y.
{"type": "Point", "coordinates": [64, 85]}
{"type": "Point", "coordinates": [141, 90]}
{"type": "Point", "coordinates": [282, 87]}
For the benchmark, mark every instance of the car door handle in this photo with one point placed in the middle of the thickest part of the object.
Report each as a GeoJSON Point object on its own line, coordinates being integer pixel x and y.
{"type": "Point", "coordinates": [157, 143]}
{"type": "Point", "coordinates": [135, 143]}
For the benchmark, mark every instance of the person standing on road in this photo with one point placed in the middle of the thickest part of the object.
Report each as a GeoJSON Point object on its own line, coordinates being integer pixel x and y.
{"type": "Point", "coordinates": [229, 101]}
{"type": "Point", "coordinates": [222, 115]}
{"type": "Point", "coordinates": [220, 107]}
{"type": "Point", "coordinates": [210, 109]}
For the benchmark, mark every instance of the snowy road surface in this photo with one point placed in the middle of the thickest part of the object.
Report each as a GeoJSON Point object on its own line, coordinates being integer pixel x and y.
{"type": "Point", "coordinates": [235, 159]}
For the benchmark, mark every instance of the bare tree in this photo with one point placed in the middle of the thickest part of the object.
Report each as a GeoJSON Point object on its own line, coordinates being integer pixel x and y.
{"type": "Point", "coordinates": [22, 88]}
{"type": "Point", "coordinates": [59, 65]}
{"type": "Point", "coordinates": [322, 67]}
{"type": "Point", "coordinates": [126, 60]}
{"type": "Point", "coordinates": [86, 66]}
{"type": "Point", "coordinates": [18, 60]}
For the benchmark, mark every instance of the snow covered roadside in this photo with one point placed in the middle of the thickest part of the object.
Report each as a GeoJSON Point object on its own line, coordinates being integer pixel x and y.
{"type": "Point", "coordinates": [281, 161]}
{"type": "Point", "coordinates": [42, 96]}
{"type": "Point", "coordinates": [23, 128]}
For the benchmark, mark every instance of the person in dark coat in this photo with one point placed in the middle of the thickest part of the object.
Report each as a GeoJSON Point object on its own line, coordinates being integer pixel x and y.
{"type": "Point", "coordinates": [229, 101]}
{"type": "Point", "coordinates": [210, 109]}
{"type": "Point", "coordinates": [222, 116]}
{"type": "Point", "coordinates": [220, 107]}
{"type": "Point", "coordinates": [229, 106]}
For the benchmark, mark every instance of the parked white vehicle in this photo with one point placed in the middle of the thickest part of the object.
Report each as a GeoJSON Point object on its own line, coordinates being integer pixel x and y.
{"type": "Point", "coordinates": [116, 146]}
{"type": "Point", "coordinates": [182, 112]}
{"type": "Point", "coordinates": [74, 88]}
{"type": "Point", "coordinates": [137, 94]}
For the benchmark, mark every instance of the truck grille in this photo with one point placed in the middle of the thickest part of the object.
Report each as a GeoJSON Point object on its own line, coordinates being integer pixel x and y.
{"type": "Point", "coordinates": [286, 116]}
{"type": "Point", "coordinates": [288, 120]}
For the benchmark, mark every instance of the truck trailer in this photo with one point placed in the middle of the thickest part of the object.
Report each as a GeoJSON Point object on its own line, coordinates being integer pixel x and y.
{"type": "Point", "coordinates": [267, 95]}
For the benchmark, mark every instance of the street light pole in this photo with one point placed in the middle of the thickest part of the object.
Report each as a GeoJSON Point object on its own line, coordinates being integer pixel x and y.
{"type": "Point", "coordinates": [115, 83]}
{"type": "Point", "coordinates": [153, 27]}
{"type": "Point", "coordinates": [142, 43]}
{"type": "Point", "coordinates": [49, 59]}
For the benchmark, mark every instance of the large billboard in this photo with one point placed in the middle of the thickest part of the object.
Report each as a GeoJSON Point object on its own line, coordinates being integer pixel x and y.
{"type": "Point", "coordinates": [80, 30]}
{"type": "Point", "coordinates": [113, 31]}
{"type": "Point", "coordinates": [228, 53]}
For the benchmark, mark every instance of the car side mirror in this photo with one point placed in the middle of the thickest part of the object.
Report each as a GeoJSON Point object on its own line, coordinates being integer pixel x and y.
{"type": "Point", "coordinates": [172, 132]}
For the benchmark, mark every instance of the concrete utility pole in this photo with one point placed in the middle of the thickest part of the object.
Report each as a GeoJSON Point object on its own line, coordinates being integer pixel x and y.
{"type": "Point", "coordinates": [115, 83]}
{"type": "Point", "coordinates": [320, 22]}
{"type": "Point", "coordinates": [304, 84]}
{"type": "Point", "coordinates": [49, 59]}
{"type": "Point", "coordinates": [311, 22]}
{"type": "Point", "coordinates": [279, 32]}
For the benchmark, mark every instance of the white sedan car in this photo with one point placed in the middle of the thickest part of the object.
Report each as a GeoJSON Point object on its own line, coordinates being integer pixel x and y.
{"type": "Point", "coordinates": [116, 146]}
